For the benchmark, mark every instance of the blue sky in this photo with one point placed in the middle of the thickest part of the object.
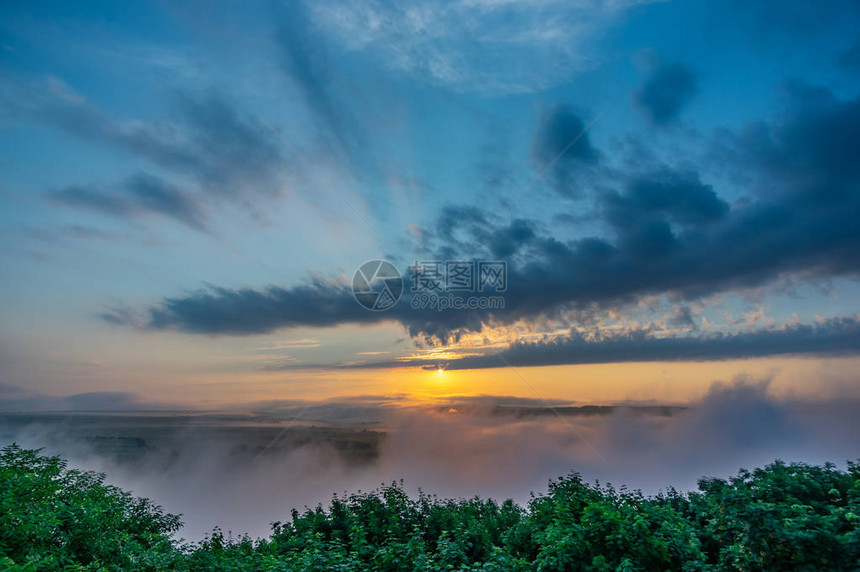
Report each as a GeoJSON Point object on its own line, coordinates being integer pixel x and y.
{"type": "Point", "coordinates": [183, 185]}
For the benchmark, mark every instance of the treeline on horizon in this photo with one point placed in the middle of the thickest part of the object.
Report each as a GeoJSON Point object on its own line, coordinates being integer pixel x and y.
{"type": "Point", "coordinates": [780, 517]}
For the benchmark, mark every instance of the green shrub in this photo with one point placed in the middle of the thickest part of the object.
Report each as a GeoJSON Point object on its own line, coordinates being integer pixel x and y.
{"type": "Point", "coordinates": [780, 517]}
{"type": "Point", "coordinates": [52, 517]}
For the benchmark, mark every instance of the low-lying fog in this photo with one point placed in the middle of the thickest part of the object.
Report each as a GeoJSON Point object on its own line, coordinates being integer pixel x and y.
{"type": "Point", "coordinates": [241, 471]}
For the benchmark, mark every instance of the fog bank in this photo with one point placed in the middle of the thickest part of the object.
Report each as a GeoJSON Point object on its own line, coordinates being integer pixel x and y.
{"type": "Point", "coordinates": [243, 471]}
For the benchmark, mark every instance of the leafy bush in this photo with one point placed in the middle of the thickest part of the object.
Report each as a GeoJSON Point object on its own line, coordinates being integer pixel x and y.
{"type": "Point", "coordinates": [54, 518]}
{"type": "Point", "coordinates": [780, 517]}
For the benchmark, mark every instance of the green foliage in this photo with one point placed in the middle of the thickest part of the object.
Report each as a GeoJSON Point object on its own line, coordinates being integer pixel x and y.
{"type": "Point", "coordinates": [780, 517]}
{"type": "Point", "coordinates": [581, 527]}
{"type": "Point", "coordinates": [55, 518]}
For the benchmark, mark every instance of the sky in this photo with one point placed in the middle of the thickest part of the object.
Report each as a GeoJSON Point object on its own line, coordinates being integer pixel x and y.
{"type": "Point", "coordinates": [188, 190]}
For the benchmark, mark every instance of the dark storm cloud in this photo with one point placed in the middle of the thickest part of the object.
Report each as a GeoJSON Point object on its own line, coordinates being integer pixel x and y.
{"type": "Point", "coordinates": [643, 214]}
{"type": "Point", "coordinates": [670, 235]}
{"type": "Point", "coordinates": [665, 91]}
{"type": "Point", "coordinates": [507, 241]}
{"type": "Point", "coordinates": [248, 311]}
{"type": "Point", "coordinates": [561, 146]}
{"type": "Point", "coordinates": [139, 195]}
{"type": "Point", "coordinates": [678, 197]}
{"type": "Point", "coordinates": [462, 227]}
{"type": "Point", "coordinates": [810, 156]}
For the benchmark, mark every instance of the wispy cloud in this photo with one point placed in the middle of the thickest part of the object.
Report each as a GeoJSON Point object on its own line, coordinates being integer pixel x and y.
{"type": "Point", "coordinates": [229, 155]}
{"type": "Point", "coordinates": [288, 344]}
{"type": "Point", "coordinates": [462, 45]}
{"type": "Point", "coordinates": [140, 195]}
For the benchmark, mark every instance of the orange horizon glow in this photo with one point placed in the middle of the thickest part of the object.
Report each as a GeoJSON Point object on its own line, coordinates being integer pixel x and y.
{"type": "Point", "coordinates": [648, 382]}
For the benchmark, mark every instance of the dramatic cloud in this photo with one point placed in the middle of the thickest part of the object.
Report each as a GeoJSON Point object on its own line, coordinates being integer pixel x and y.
{"type": "Point", "coordinates": [247, 311]}
{"type": "Point", "coordinates": [665, 91]}
{"type": "Point", "coordinates": [673, 236]}
{"type": "Point", "coordinates": [678, 197]}
{"type": "Point", "coordinates": [463, 227]}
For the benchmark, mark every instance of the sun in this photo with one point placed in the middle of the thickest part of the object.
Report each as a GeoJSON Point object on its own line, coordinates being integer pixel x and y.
{"type": "Point", "coordinates": [440, 371]}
